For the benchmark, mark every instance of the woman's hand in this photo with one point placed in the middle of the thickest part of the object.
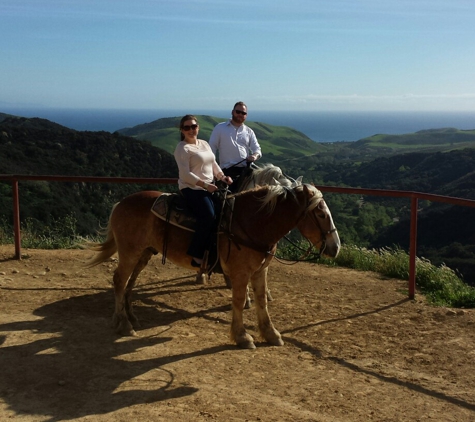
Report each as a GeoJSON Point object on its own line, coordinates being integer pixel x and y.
{"type": "Point", "coordinates": [227, 180]}
{"type": "Point", "coordinates": [209, 187]}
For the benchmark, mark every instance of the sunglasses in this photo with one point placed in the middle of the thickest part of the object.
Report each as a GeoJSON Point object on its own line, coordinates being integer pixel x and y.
{"type": "Point", "coordinates": [240, 112]}
{"type": "Point", "coordinates": [186, 128]}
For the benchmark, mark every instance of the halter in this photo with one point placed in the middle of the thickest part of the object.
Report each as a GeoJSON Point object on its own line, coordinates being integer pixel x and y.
{"type": "Point", "coordinates": [305, 257]}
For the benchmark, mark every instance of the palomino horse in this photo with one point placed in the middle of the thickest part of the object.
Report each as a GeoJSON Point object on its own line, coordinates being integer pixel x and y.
{"type": "Point", "coordinates": [260, 217]}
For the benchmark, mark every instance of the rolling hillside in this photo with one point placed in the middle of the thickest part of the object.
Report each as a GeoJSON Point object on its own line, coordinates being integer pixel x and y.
{"type": "Point", "coordinates": [431, 140]}
{"type": "Point", "coordinates": [275, 141]}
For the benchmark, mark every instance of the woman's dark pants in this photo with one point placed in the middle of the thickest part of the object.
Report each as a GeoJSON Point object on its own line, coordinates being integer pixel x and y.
{"type": "Point", "coordinates": [201, 204]}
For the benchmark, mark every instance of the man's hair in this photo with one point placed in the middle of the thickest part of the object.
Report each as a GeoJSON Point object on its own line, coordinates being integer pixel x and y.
{"type": "Point", "coordinates": [240, 103]}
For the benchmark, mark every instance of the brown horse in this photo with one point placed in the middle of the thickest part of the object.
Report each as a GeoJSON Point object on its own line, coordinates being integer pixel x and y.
{"type": "Point", "coordinates": [260, 217]}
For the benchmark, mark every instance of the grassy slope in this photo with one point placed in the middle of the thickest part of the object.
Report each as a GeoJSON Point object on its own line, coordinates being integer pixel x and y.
{"type": "Point", "coordinates": [428, 140]}
{"type": "Point", "coordinates": [275, 140]}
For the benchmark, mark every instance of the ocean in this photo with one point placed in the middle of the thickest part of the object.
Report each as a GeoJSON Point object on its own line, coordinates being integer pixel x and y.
{"type": "Point", "coordinates": [320, 126]}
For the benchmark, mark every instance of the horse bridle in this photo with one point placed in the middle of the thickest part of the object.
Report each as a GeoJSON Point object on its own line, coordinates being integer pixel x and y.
{"type": "Point", "coordinates": [306, 252]}
{"type": "Point", "coordinates": [324, 233]}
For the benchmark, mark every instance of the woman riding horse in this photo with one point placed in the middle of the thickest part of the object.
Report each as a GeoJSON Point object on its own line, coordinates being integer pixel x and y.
{"type": "Point", "coordinates": [259, 219]}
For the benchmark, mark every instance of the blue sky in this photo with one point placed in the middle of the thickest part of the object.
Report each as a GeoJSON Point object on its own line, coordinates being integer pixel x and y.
{"type": "Point", "coordinates": [207, 54]}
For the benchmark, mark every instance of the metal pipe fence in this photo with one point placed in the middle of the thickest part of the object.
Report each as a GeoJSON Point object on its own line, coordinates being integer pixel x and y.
{"type": "Point", "coordinates": [413, 196]}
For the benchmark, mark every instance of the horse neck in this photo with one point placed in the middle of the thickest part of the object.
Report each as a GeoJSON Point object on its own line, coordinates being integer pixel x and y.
{"type": "Point", "coordinates": [253, 221]}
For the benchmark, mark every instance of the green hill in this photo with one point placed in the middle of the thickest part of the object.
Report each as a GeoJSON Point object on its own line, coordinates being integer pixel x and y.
{"type": "Point", "coordinates": [275, 141]}
{"type": "Point", "coordinates": [445, 139]}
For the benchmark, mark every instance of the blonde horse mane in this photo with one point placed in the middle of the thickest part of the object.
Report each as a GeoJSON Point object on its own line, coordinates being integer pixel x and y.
{"type": "Point", "coordinates": [265, 174]}
{"type": "Point", "coordinates": [274, 192]}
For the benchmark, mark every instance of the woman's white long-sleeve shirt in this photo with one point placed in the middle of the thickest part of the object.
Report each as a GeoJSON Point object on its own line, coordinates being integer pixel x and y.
{"type": "Point", "coordinates": [195, 162]}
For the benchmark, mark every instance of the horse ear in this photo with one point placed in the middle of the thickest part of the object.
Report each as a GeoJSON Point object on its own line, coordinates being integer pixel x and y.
{"type": "Point", "coordinates": [297, 182]}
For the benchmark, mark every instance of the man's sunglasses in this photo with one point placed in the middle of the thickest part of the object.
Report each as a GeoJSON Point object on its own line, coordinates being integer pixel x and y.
{"type": "Point", "coordinates": [186, 128]}
{"type": "Point", "coordinates": [240, 112]}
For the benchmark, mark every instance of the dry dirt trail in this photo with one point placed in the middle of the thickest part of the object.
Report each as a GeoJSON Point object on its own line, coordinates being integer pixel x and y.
{"type": "Point", "coordinates": [356, 349]}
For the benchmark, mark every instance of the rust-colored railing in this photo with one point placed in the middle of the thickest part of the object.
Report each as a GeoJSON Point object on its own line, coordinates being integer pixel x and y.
{"type": "Point", "coordinates": [413, 196]}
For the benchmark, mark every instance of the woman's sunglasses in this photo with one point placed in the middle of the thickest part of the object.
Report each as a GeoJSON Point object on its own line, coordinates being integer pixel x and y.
{"type": "Point", "coordinates": [240, 112]}
{"type": "Point", "coordinates": [186, 128]}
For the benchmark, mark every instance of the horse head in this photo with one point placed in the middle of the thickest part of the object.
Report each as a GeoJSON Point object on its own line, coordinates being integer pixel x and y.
{"type": "Point", "coordinates": [317, 223]}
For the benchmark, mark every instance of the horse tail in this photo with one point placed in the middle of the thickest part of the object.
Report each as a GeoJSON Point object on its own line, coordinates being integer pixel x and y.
{"type": "Point", "coordinates": [106, 249]}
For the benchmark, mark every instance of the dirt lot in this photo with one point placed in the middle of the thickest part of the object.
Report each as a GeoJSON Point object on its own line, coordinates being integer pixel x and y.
{"type": "Point", "coordinates": [356, 349]}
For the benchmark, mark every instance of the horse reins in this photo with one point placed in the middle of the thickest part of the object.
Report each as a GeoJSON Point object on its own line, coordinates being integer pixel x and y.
{"type": "Point", "coordinates": [305, 257]}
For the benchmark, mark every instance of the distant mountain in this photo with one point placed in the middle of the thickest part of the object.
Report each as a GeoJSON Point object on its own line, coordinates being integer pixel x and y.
{"type": "Point", "coordinates": [276, 141]}
{"type": "Point", "coordinates": [282, 145]}
{"type": "Point", "coordinates": [445, 139]}
{"type": "Point", "coordinates": [3, 116]}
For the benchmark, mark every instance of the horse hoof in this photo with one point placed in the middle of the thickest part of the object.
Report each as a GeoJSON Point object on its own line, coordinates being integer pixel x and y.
{"type": "Point", "coordinates": [124, 328]}
{"type": "Point", "coordinates": [246, 345]}
{"type": "Point", "coordinates": [276, 342]}
{"type": "Point", "coordinates": [125, 332]}
{"type": "Point", "coordinates": [271, 336]}
{"type": "Point", "coordinates": [247, 305]}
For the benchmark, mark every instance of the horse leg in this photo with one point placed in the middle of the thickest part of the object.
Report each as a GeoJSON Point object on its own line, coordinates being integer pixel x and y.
{"type": "Point", "coordinates": [248, 302]}
{"type": "Point", "coordinates": [201, 277]}
{"type": "Point", "coordinates": [121, 277]}
{"type": "Point", "coordinates": [266, 328]}
{"type": "Point", "coordinates": [238, 332]}
{"type": "Point", "coordinates": [143, 261]}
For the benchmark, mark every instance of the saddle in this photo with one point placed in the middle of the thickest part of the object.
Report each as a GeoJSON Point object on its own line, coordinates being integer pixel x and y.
{"type": "Point", "coordinates": [171, 207]}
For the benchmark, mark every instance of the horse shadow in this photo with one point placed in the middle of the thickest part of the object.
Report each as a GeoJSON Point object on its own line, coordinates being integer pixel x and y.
{"type": "Point", "coordinates": [73, 367]}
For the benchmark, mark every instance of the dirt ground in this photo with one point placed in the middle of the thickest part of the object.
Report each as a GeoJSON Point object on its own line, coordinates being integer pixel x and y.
{"type": "Point", "coordinates": [356, 349]}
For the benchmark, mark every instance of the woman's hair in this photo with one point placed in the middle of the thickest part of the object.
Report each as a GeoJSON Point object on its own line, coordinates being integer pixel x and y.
{"type": "Point", "coordinates": [182, 123]}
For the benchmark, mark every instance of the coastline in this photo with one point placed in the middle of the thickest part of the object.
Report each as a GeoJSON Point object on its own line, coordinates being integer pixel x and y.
{"type": "Point", "coordinates": [320, 126]}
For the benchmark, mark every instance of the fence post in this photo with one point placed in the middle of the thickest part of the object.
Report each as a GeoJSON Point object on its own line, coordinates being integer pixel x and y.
{"type": "Point", "coordinates": [16, 219]}
{"type": "Point", "coordinates": [412, 248]}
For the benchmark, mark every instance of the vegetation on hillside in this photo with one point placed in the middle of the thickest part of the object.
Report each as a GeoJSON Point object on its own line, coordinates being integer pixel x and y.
{"type": "Point", "coordinates": [37, 146]}
{"type": "Point", "coordinates": [277, 141]}
{"type": "Point", "coordinates": [446, 235]}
